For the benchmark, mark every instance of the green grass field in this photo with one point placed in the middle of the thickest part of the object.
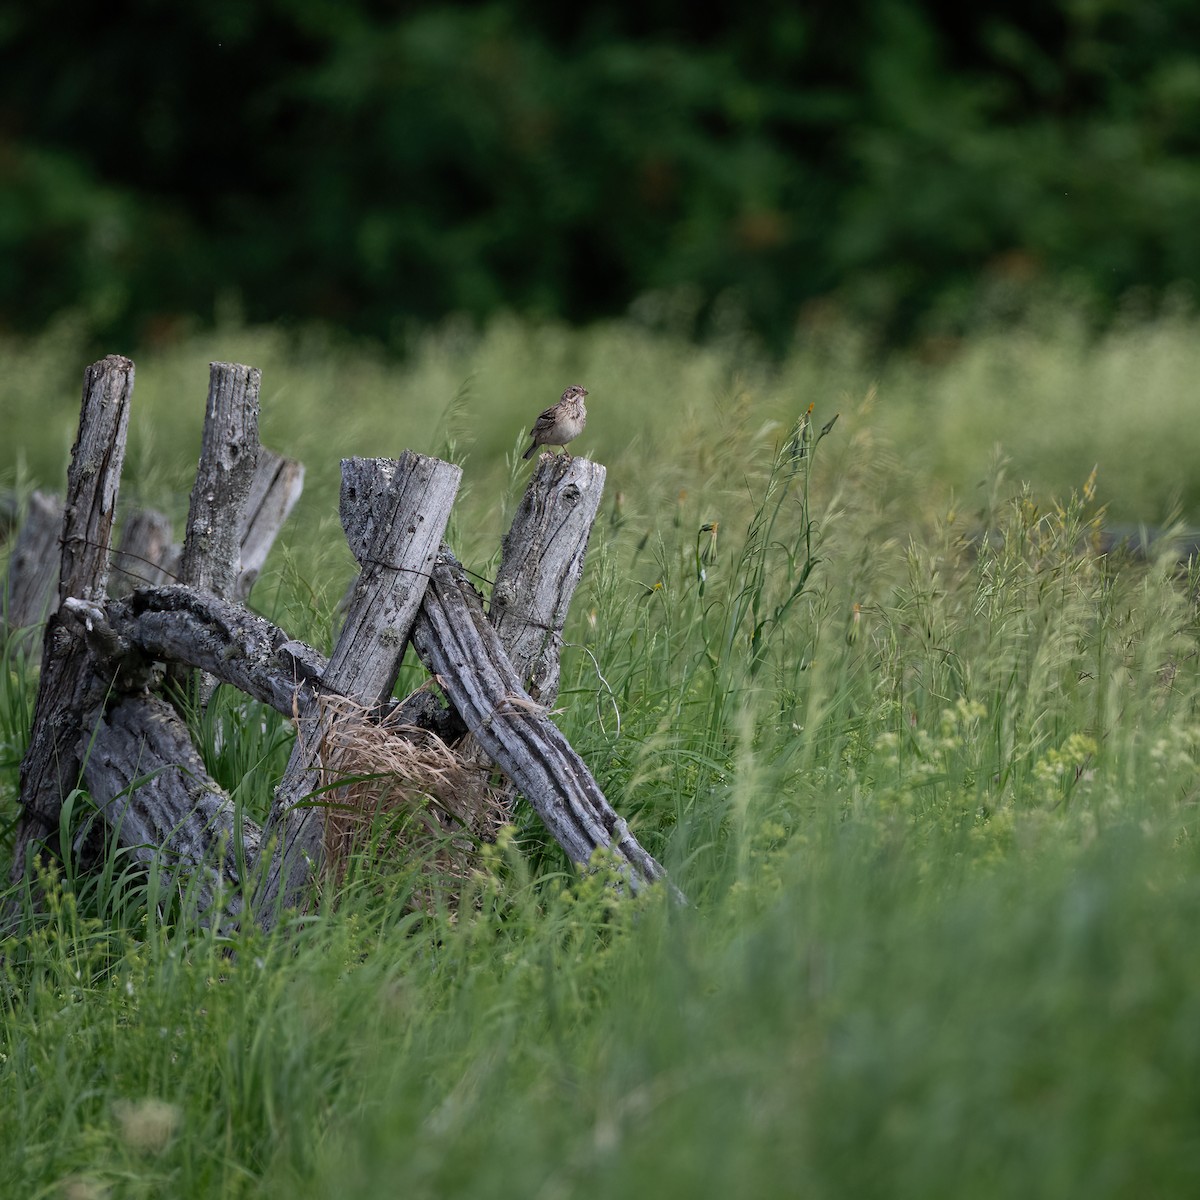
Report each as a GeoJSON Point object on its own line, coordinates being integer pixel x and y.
{"type": "Point", "coordinates": [933, 799]}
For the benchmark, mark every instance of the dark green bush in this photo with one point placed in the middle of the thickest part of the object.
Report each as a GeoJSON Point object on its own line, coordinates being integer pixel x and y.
{"type": "Point", "coordinates": [342, 161]}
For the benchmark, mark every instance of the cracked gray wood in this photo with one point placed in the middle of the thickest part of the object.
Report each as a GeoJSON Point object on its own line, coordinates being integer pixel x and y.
{"type": "Point", "coordinates": [540, 565]}
{"type": "Point", "coordinates": [228, 454]}
{"type": "Point", "coordinates": [394, 513]}
{"type": "Point", "coordinates": [154, 793]}
{"type": "Point", "coordinates": [248, 652]}
{"type": "Point", "coordinates": [464, 653]}
{"type": "Point", "coordinates": [53, 762]}
{"type": "Point", "coordinates": [31, 581]}
{"type": "Point", "coordinates": [143, 771]}
{"type": "Point", "coordinates": [145, 554]}
{"type": "Point", "coordinates": [223, 639]}
{"type": "Point", "coordinates": [274, 490]}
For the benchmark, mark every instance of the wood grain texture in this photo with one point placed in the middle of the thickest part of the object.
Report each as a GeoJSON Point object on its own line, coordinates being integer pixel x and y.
{"type": "Point", "coordinates": [540, 566]}
{"type": "Point", "coordinates": [229, 448]}
{"type": "Point", "coordinates": [274, 489]}
{"type": "Point", "coordinates": [463, 651]}
{"type": "Point", "coordinates": [31, 582]}
{"type": "Point", "coordinates": [53, 762]}
{"type": "Point", "coordinates": [145, 555]}
{"type": "Point", "coordinates": [228, 453]}
{"type": "Point", "coordinates": [156, 796]}
{"type": "Point", "coordinates": [394, 513]}
{"type": "Point", "coordinates": [237, 647]}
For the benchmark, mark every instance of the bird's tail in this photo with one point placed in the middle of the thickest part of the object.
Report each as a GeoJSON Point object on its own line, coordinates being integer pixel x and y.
{"type": "Point", "coordinates": [530, 450]}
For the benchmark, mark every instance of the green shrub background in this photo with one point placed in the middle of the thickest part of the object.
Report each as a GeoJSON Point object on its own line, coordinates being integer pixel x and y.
{"type": "Point", "coordinates": [901, 163]}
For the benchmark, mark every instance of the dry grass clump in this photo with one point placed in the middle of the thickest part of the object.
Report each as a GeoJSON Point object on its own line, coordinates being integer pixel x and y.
{"type": "Point", "coordinates": [398, 794]}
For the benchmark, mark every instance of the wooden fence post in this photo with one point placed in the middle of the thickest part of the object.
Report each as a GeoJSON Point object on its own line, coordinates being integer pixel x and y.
{"type": "Point", "coordinates": [540, 566]}
{"type": "Point", "coordinates": [52, 764]}
{"type": "Point", "coordinates": [274, 490]}
{"type": "Point", "coordinates": [228, 454]}
{"type": "Point", "coordinates": [394, 514]}
{"type": "Point", "coordinates": [463, 651]}
{"type": "Point", "coordinates": [31, 584]}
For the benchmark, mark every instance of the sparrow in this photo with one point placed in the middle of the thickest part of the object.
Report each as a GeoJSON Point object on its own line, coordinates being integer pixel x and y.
{"type": "Point", "coordinates": [561, 422]}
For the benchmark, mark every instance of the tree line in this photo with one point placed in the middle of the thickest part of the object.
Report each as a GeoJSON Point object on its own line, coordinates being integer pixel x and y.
{"type": "Point", "coordinates": [374, 165]}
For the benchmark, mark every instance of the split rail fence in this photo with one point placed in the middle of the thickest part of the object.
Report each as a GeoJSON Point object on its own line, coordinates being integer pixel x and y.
{"type": "Point", "coordinates": [120, 642]}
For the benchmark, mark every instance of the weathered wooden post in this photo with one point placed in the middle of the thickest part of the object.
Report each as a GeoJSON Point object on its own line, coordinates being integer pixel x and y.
{"type": "Point", "coordinates": [53, 763]}
{"type": "Point", "coordinates": [463, 651]}
{"type": "Point", "coordinates": [228, 455]}
{"type": "Point", "coordinates": [31, 584]}
{"type": "Point", "coordinates": [394, 514]}
{"type": "Point", "coordinates": [540, 566]}
{"type": "Point", "coordinates": [274, 490]}
{"type": "Point", "coordinates": [130, 748]}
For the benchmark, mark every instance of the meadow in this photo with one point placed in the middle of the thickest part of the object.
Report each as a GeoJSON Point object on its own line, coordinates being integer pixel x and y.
{"type": "Point", "coordinates": [931, 795]}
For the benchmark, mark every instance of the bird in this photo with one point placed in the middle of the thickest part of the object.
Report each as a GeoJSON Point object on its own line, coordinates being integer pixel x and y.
{"type": "Point", "coordinates": [561, 422]}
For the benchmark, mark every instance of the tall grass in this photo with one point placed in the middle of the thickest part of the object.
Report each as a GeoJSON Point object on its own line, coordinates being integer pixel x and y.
{"type": "Point", "coordinates": [1057, 399]}
{"type": "Point", "coordinates": [932, 798]}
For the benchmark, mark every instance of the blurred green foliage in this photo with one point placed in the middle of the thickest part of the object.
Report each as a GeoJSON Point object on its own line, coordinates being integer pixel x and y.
{"type": "Point", "coordinates": [380, 165]}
